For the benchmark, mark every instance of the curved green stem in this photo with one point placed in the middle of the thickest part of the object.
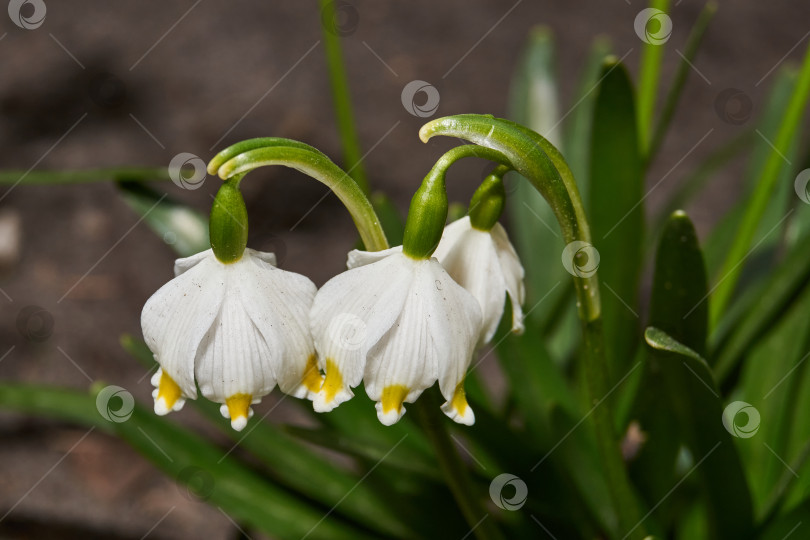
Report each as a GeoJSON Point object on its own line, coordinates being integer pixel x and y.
{"type": "Point", "coordinates": [243, 157]}
{"type": "Point", "coordinates": [538, 160]}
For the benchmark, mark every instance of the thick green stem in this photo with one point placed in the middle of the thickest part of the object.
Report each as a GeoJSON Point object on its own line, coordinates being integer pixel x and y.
{"type": "Point", "coordinates": [539, 161]}
{"type": "Point", "coordinates": [248, 155]}
{"type": "Point", "coordinates": [432, 422]}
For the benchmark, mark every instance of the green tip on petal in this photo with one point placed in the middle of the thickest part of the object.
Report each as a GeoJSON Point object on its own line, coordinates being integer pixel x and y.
{"type": "Point", "coordinates": [229, 224]}
{"type": "Point", "coordinates": [486, 205]}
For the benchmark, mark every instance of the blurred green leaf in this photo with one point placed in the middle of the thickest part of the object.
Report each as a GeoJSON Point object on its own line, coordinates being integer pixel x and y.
{"type": "Point", "coordinates": [617, 213]}
{"type": "Point", "coordinates": [294, 465]}
{"type": "Point", "coordinates": [685, 68]}
{"type": "Point", "coordinates": [693, 397]}
{"type": "Point", "coordinates": [577, 452]}
{"type": "Point", "coordinates": [766, 304]}
{"type": "Point", "coordinates": [794, 524]}
{"type": "Point", "coordinates": [771, 381]}
{"type": "Point", "coordinates": [390, 218]}
{"type": "Point", "coordinates": [354, 445]}
{"type": "Point", "coordinates": [578, 120]}
{"type": "Point", "coordinates": [187, 458]}
{"type": "Point", "coordinates": [762, 195]}
{"type": "Point", "coordinates": [184, 229]}
{"type": "Point", "coordinates": [652, 54]}
{"type": "Point", "coordinates": [534, 103]}
{"type": "Point", "coordinates": [83, 176]}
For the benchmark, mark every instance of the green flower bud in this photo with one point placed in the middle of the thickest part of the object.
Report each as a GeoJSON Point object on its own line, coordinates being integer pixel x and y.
{"type": "Point", "coordinates": [426, 216]}
{"type": "Point", "coordinates": [486, 205]}
{"type": "Point", "coordinates": [228, 229]}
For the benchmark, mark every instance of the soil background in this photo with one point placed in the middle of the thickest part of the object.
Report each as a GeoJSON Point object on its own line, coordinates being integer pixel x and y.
{"type": "Point", "coordinates": [104, 84]}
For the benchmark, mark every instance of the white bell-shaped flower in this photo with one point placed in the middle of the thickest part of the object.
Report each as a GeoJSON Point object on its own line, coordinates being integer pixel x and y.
{"type": "Point", "coordinates": [237, 329]}
{"type": "Point", "coordinates": [398, 324]}
{"type": "Point", "coordinates": [486, 264]}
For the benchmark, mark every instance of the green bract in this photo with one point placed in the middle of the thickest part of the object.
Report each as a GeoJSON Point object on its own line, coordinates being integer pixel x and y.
{"type": "Point", "coordinates": [228, 228]}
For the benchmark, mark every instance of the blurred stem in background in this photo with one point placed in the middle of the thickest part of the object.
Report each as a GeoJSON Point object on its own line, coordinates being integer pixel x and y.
{"type": "Point", "coordinates": [341, 96]}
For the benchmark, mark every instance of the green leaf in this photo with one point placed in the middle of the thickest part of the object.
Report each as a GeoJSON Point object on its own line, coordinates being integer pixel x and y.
{"type": "Point", "coordinates": [772, 381]}
{"type": "Point", "coordinates": [83, 176]}
{"type": "Point", "coordinates": [184, 229]}
{"type": "Point", "coordinates": [652, 55]}
{"type": "Point", "coordinates": [680, 286]}
{"type": "Point", "coordinates": [390, 218]}
{"type": "Point", "coordinates": [576, 450]}
{"type": "Point", "coordinates": [578, 119]}
{"type": "Point", "coordinates": [685, 68]}
{"type": "Point", "coordinates": [296, 466]}
{"type": "Point", "coordinates": [764, 306]}
{"type": "Point", "coordinates": [186, 457]}
{"type": "Point", "coordinates": [534, 103]}
{"type": "Point", "coordinates": [357, 446]}
{"type": "Point", "coordinates": [676, 307]}
{"type": "Point", "coordinates": [756, 208]}
{"type": "Point", "coordinates": [617, 215]}
{"type": "Point", "coordinates": [690, 392]}
{"type": "Point", "coordinates": [341, 94]}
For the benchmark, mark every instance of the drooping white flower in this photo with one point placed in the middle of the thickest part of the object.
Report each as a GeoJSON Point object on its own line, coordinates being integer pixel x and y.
{"type": "Point", "coordinates": [399, 324]}
{"type": "Point", "coordinates": [237, 329]}
{"type": "Point", "coordinates": [486, 264]}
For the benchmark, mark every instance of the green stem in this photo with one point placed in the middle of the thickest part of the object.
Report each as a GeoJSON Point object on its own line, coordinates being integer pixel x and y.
{"type": "Point", "coordinates": [83, 176]}
{"type": "Point", "coordinates": [432, 422]}
{"type": "Point", "coordinates": [352, 157]}
{"type": "Point", "coordinates": [538, 160]}
{"type": "Point", "coordinates": [248, 155]}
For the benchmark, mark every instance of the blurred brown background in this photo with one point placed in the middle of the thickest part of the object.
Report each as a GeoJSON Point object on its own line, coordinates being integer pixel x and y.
{"type": "Point", "coordinates": [134, 83]}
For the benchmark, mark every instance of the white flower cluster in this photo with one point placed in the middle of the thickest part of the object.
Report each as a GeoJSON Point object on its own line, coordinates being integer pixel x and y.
{"type": "Point", "coordinates": [395, 323]}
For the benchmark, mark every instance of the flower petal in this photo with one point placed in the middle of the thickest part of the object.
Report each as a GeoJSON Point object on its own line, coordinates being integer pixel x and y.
{"type": "Point", "coordinates": [278, 303]}
{"type": "Point", "coordinates": [469, 256]}
{"type": "Point", "coordinates": [350, 314]}
{"type": "Point", "coordinates": [175, 319]}
{"type": "Point", "coordinates": [513, 274]}
{"type": "Point", "coordinates": [234, 358]}
{"type": "Point", "coordinates": [358, 258]}
{"type": "Point", "coordinates": [182, 265]}
{"type": "Point", "coordinates": [406, 360]}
